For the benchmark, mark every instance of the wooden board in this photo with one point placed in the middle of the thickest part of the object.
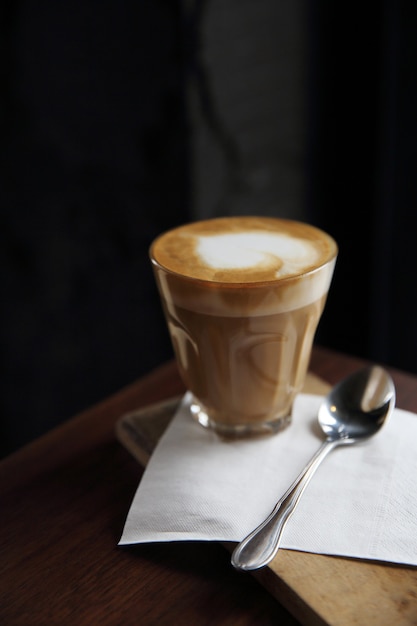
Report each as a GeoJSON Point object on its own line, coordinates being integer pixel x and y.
{"type": "Point", "coordinates": [316, 589]}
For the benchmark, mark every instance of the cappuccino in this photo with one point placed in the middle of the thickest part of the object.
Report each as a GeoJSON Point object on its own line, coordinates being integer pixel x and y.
{"type": "Point", "coordinates": [242, 298]}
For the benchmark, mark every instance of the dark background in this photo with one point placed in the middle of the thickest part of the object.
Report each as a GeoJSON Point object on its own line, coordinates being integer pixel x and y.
{"type": "Point", "coordinates": [363, 185]}
{"type": "Point", "coordinates": [96, 160]}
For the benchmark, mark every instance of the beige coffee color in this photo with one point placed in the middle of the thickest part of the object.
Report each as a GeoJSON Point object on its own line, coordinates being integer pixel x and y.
{"type": "Point", "coordinates": [242, 297]}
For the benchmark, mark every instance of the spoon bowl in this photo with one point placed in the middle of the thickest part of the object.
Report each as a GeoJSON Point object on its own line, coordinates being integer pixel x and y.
{"type": "Point", "coordinates": [354, 410]}
{"type": "Point", "coordinates": [358, 406]}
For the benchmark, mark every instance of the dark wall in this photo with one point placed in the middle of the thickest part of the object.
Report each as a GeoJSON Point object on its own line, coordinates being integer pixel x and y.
{"type": "Point", "coordinates": [362, 170]}
{"type": "Point", "coordinates": [93, 165]}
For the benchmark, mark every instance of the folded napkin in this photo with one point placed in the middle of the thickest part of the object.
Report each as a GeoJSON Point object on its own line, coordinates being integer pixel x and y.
{"type": "Point", "coordinates": [362, 501]}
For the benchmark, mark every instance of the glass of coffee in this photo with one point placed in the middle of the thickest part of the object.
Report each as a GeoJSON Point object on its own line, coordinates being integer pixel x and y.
{"type": "Point", "coordinates": [242, 297]}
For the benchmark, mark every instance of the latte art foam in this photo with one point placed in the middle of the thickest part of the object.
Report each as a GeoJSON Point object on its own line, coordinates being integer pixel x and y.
{"type": "Point", "coordinates": [243, 249]}
{"type": "Point", "coordinates": [281, 254]}
{"type": "Point", "coordinates": [237, 265]}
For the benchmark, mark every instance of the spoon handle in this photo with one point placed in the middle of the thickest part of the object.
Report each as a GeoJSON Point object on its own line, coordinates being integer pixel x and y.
{"type": "Point", "coordinates": [261, 545]}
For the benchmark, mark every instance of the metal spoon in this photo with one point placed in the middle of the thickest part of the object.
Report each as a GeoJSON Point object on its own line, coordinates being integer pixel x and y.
{"type": "Point", "coordinates": [353, 411]}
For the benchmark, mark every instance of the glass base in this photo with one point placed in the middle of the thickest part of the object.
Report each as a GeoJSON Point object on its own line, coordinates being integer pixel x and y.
{"type": "Point", "coordinates": [235, 431]}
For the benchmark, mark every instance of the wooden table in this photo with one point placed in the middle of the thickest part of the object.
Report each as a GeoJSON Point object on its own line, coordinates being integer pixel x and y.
{"type": "Point", "coordinates": [63, 502]}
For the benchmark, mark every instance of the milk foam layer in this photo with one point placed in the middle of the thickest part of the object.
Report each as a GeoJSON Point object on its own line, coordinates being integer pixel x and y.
{"type": "Point", "coordinates": [243, 265]}
{"type": "Point", "coordinates": [280, 253]}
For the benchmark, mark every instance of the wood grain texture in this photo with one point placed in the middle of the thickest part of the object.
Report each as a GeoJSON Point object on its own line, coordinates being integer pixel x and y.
{"type": "Point", "coordinates": [63, 502]}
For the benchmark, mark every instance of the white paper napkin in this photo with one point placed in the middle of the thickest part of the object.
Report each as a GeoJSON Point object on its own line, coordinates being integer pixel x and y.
{"type": "Point", "coordinates": [362, 501]}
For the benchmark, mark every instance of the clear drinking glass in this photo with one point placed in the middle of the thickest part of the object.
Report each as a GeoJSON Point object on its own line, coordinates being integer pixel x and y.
{"type": "Point", "coordinates": [242, 346]}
